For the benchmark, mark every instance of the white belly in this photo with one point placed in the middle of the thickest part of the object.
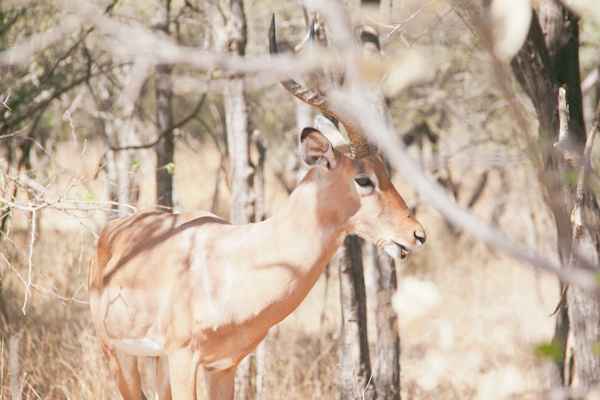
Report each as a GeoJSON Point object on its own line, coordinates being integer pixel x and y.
{"type": "Point", "coordinates": [140, 347]}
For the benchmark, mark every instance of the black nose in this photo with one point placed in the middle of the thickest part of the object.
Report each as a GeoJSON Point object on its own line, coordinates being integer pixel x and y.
{"type": "Point", "coordinates": [420, 235]}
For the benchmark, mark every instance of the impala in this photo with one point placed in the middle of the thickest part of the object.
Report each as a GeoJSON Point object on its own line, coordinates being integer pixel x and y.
{"type": "Point", "coordinates": [194, 290]}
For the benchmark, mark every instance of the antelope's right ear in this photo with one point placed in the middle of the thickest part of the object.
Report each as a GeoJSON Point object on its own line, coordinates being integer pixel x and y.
{"type": "Point", "coordinates": [316, 149]}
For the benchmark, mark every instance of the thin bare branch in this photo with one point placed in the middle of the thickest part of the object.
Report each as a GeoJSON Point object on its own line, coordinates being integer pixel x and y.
{"type": "Point", "coordinates": [56, 295]}
{"type": "Point", "coordinates": [5, 100]}
{"type": "Point", "coordinates": [30, 260]}
{"type": "Point", "coordinates": [130, 42]}
{"type": "Point", "coordinates": [163, 133]}
{"type": "Point", "coordinates": [399, 25]}
{"type": "Point", "coordinates": [565, 144]}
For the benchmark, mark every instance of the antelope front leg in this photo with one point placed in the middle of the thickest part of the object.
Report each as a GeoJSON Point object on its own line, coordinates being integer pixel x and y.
{"type": "Point", "coordinates": [125, 372]}
{"type": "Point", "coordinates": [220, 384]}
{"type": "Point", "coordinates": [162, 378]}
{"type": "Point", "coordinates": [183, 368]}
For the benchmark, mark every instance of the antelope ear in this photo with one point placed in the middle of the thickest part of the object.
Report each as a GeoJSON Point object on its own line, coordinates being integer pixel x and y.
{"type": "Point", "coordinates": [317, 150]}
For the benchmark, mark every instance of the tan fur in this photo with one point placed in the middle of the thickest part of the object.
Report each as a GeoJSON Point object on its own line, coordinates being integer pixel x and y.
{"type": "Point", "coordinates": [207, 291]}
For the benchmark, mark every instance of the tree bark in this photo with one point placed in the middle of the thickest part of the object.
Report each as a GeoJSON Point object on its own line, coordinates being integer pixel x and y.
{"type": "Point", "coordinates": [229, 34]}
{"type": "Point", "coordinates": [533, 69]}
{"type": "Point", "coordinates": [238, 140]}
{"type": "Point", "coordinates": [164, 118]}
{"type": "Point", "coordinates": [584, 306]}
{"type": "Point", "coordinates": [561, 34]}
{"type": "Point", "coordinates": [355, 364]}
{"type": "Point", "coordinates": [228, 27]}
{"type": "Point", "coordinates": [387, 372]}
{"type": "Point", "coordinates": [121, 182]}
{"type": "Point", "coordinates": [261, 146]}
{"type": "Point", "coordinates": [547, 60]}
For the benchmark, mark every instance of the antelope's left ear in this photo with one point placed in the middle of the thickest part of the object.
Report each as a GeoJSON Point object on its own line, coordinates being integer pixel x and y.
{"type": "Point", "coordinates": [317, 150]}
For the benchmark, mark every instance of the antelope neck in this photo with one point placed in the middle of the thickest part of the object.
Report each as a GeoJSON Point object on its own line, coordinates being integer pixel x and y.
{"type": "Point", "coordinates": [307, 228]}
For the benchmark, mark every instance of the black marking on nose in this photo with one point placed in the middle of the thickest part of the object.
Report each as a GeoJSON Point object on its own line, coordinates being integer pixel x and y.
{"type": "Point", "coordinates": [419, 237]}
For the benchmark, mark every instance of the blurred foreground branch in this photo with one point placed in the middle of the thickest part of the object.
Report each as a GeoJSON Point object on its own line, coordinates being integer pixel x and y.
{"type": "Point", "coordinates": [460, 217]}
{"type": "Point", "coordinates": [392, 147]}
{"type": "Point", "coordinates": [132, 42]}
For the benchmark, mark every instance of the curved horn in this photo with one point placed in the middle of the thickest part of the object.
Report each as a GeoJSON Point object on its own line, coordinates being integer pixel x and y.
{"type": "Point", "coordinates": [358, 143]}
{"type": "Point", "coordinates": [299, 91]}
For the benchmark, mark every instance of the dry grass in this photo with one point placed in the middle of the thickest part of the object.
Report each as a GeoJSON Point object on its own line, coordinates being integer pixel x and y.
{"type": "Point", "coordinates": [477, 343]}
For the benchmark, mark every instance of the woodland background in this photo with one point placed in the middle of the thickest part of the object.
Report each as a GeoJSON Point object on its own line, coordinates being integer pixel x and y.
{"type": "Point", "coordinates": [109, 107]}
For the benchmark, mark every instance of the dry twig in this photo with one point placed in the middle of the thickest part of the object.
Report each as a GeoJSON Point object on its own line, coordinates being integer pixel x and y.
{"type": "Point", "coordinates": [584, 168]}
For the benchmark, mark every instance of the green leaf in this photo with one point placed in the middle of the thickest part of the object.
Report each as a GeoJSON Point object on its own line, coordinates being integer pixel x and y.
{"type": "Point", "coordinates": [553, 350]}
{"type": "Point", "coordinates": [596, 348]}
{"type": "Point", "coordinates": [90, 197]}
{"type": "Point", "coordinates": [135, 166]}
{"type": "Point", "coordinates": [571, 177]}
{"type": "Point", "coordinates": [170, 168]}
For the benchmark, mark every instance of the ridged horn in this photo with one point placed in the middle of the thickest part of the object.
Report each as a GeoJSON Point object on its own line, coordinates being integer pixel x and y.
{"type": "Point", "coordinates": [359, 145]}
{"type": "Point", "coordinates": [316, 100]}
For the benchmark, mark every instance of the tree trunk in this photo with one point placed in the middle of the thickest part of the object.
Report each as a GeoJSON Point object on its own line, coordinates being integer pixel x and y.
{"type": "Point", "coordinates": [229, 35]}
{"type": "Point", "coordinates": [354, 360]}
{"type": "Point", "coordinates": [355, 365]}
{"type": "Point", "coordinates": [238, 139]}
{"type": "Point", "coordinates": [263, 348]}
{"type": "Point", "coordinates": [261, 146]}
{"type": "Point", "coordinates": [164, 118]}
{"type": "Point", "coordinates": [387, 372]}
{"type": "Point", "coordinates": [121, 182]}
{"type": "Point", "coordinates": [121, 131]}
{"type": "Point", "coordinates": [547, 60]}
{"type": "Point", "coordinates": [584, 306]}
{"type": "Point", "coordinates": [533, 68]}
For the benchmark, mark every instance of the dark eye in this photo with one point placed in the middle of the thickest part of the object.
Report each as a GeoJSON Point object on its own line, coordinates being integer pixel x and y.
{"type": "Point", "coordinates": [364, 182]}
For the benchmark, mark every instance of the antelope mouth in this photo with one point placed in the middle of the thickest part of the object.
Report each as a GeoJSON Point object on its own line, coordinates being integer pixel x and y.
{"type": "Point", "coordinates": [396, 250]}
{"type": "Point", "coordinates": [403, 251]}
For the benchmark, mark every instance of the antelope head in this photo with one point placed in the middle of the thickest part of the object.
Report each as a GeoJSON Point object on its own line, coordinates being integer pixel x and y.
{"type": "Point", "coordinates": [355, 173]}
